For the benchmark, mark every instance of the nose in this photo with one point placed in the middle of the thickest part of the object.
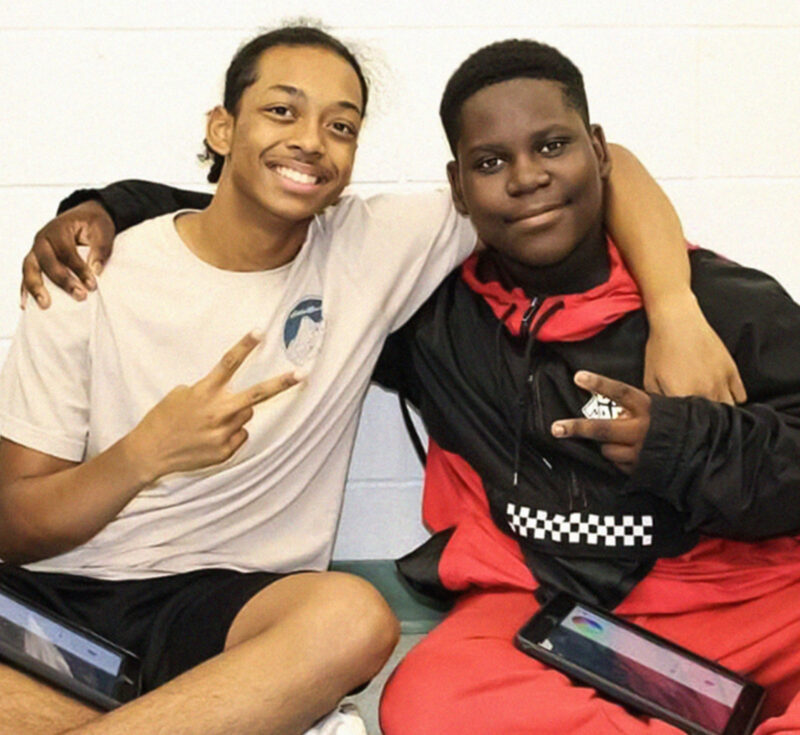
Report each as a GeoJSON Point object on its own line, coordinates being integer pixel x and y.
{"type": "Point", "coordinates": [527, 175]}
{"type": "Point", "coordinates": [307, 137]}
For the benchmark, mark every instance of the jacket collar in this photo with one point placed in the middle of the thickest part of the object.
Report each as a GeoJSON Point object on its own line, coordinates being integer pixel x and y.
{"type": "Point", "coordinates": [583, 314]}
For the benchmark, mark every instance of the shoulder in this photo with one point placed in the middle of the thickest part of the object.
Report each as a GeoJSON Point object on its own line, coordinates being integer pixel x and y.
{"type": "Point", "coordinates": [757, 320]}
{"type": "Point", "coordinates": [154, 230]}
{"type": "Point", "coordinates": [397, 219]}
{"type": "Point", "coordinates": [388, 207]}
{"type": "Point", "coordinates": [734, 290]}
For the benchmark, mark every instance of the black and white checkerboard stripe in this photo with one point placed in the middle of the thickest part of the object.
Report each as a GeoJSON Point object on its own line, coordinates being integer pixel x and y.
{"type": "Point", "coordinates": [580, 528]}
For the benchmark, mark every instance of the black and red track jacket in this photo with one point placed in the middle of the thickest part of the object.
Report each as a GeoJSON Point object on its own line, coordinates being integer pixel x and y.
{"type": "Point", "coordinates": [490, 371]}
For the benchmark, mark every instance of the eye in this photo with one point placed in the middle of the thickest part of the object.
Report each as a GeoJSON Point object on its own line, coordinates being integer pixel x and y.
{"type": "Point", "coordinates": [488, 165]}
{"type": "Point", "coordinates": [344, 129]}
{"type": "Point", "coordinates": [553, 147]}
{"type": "Point", "coordinates": [280, 111]}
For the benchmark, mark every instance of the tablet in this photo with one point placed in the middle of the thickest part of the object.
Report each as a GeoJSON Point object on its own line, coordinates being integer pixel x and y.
{"type": "Point", "coordinates": [642, 671]}
{"type": "Point", "coordinates": [66, 655]}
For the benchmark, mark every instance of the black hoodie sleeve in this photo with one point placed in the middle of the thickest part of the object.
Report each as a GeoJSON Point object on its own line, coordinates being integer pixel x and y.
{"type": "Point", "coordinates": [735, 470]}
{"type": "Point", "coordinates": [391, 370]}
{"type": "Point", "coordinates": [132, 201]}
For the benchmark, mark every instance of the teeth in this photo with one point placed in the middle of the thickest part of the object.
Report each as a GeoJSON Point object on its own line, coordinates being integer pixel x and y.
{"type": "Point", "coordinates": [292, 175]}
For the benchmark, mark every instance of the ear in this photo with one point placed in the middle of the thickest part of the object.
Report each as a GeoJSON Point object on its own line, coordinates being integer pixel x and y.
{"type": "Point", "coordinates": [455, 188]}
{"type": "Point", "coordinates": [219, 130]}
{"type": "Point", "coordinates": [601, 151]}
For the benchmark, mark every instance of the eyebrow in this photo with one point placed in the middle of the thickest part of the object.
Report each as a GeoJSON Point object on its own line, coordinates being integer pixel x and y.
{"type": "Point", "coordinates": [297, 92]}
{"type": "Point", "coordinates": [556, 128]}
{"type": "Point", "coordinates": [486, 148]}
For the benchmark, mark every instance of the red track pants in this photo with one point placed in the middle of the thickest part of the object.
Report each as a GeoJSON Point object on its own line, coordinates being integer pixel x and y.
{"type": "Point", "coordinates": [466, 677]}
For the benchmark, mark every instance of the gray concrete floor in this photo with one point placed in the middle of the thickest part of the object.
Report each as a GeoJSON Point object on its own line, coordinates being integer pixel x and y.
{"type": "Point", "coordinates": [367, 701]}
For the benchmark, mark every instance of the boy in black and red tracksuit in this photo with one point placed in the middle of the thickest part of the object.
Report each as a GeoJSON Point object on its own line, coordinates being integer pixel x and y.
{"type": "Point", "coordinates": [679, 513]}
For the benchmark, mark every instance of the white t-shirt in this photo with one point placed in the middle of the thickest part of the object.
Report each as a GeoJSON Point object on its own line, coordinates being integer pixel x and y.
{"type": "Point", "coordinates": [80, 376]}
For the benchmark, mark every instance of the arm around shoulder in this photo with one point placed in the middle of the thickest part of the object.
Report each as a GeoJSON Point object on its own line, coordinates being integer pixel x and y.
{"type": "Point", "coordinates": [684, 356]}
{"type": "Point", "coordinates": [92, 217]}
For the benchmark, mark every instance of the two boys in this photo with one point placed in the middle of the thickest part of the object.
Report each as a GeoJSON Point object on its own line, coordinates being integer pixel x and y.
{"type": "Point", "coordinates": [272, 184]}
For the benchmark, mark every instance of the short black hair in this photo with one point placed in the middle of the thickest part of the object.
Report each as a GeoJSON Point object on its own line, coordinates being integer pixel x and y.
{"type": "Point", "coordinates": [504, 60]}
{"type": "Point", "coordinates": [243, 71]}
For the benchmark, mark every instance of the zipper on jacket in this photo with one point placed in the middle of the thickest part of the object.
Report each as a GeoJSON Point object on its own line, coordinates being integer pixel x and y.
{"type": "Point", "coordinates": [531, 382]}
{"type": "Point", "coordinates": [524, 400]}
{"type": "Point", "coordinates": [576, 492]}
{"type": "Point", "coordinates": [527, 317]}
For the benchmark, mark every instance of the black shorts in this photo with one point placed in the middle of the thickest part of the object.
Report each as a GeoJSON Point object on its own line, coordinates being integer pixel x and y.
{"type": "Point", "coordinates": [172, 623]}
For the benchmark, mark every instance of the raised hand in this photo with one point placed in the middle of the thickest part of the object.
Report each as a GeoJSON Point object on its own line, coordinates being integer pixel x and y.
{"type": "Point", "coordinates": [621, 438]}
{"type": "Point", "coordinates": [55, 251]}
{"type": "Point", "coordinates": [203, 424]}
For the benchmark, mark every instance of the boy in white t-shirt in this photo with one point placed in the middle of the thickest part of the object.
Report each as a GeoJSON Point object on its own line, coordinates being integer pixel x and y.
{"type": "Point", "coordinates": [112, 473]}
{"type": "Point", "coordinates": [120, 493]}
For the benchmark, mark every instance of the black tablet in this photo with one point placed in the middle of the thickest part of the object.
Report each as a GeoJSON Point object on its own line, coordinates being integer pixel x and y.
{"type": "Point", "coordinates": [66, 655]}
{"type": "Point", "coordinates": [642, 671]}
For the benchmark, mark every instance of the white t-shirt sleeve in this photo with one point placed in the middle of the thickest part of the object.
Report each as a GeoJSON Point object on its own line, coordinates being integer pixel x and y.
{"type": "Point", "coordinates": [44, 383]}
{"type": "Point", "coordinates": [401, 247]}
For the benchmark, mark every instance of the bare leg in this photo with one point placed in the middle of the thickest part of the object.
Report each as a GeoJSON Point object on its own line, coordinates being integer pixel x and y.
{"type": "Point", "coordinates": [292, 653]}
{"type": "Point", "coordinates": [28, 707]}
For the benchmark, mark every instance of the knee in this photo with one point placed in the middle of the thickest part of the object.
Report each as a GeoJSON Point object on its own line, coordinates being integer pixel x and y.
{"type": "Point", "coordinates": [360, 620]}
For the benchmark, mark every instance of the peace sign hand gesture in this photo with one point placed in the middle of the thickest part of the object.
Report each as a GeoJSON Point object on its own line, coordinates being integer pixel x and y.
{"type": "Point", "coordinates": [621, 438]}
{"type": "Point", "coordinates": [201, 425]}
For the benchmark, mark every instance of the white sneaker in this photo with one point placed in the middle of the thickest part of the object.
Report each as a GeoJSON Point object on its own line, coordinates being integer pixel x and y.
{"type": "Point", "coordinates": [344, 720]}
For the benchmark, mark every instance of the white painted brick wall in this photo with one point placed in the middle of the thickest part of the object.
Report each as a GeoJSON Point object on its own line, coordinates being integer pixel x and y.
{"type": "Point", "coordinates": [703, 91]}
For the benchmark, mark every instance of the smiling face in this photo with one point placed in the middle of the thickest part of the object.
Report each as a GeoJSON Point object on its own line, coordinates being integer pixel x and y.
{"type": "Point", "coordinates": [528, 172]}
{"type": "Point", "coordinates": [289, 147]}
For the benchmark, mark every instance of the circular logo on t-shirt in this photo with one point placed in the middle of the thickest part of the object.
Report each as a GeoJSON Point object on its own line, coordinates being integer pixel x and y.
{"type": "Point", "coordinates": [303, 330]}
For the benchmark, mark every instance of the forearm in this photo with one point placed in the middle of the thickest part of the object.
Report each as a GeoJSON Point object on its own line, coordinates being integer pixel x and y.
{"type": "Point", "coordinates": [734, 471]}
{"type": "Point", "coordinates": [42, 516]}
{"type": "Point", "coordinates": [132, 201]}
{"type": "Point", "coordinates": [648, 232]}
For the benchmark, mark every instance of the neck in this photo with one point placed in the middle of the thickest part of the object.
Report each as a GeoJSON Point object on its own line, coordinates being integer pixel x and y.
{"type": "Point", "coordinates": [585, 267]}
{"type": "Point", "coordinates": [238, 235]}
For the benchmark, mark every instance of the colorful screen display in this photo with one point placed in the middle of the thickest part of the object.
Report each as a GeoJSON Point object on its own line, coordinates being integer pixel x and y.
{"type": "Point", "coordinates": [664, 677]}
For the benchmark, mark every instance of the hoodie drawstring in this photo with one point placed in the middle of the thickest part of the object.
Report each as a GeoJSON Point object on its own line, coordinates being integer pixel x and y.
{"type": "Point", "coordinates": [524, 400]}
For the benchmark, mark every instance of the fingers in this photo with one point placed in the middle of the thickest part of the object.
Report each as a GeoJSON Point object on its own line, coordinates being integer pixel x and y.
{"type": "Point", "coordinates": [49, 256]}
{"type": "Point", "coordinates": [737, 389]}
{"type": "Point", "coordinates": [99, 253]}
{"type": "Point", "coordinates": [223, 371]}
{"type": "Point", "coordinates": [605, 431]}
{"type": "Point", "coordinates": [266, 389]}
{"type": "Point", "coordinates": [80, 267]}
{"type": "Point", "coordinates": [33, 283]}
{"type": "Point", "coordinates": [634, 400]}
{"type": "Point", "coordinates": [623, 456]}
{"type": "Point", "coordinates": [67, 253]}
{"type": "Point", "coordinates": [729, 390]}
{"type": "Point", "coordinates": [620, 438]}
{"type": "Point", "coordinates": [651, 382]}
{"type": "Point", "coordinates": [236, 440]}
{"type": "Point", "coordinates": [96, 259]}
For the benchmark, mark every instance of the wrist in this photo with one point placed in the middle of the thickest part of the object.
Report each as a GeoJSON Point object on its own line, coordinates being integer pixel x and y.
{"type": "Point", "coordinates": [140, 457]}
{"type": "Point", "coordinates": [669, 307]}
{"type": "Point", "coordinates": [93, 208]}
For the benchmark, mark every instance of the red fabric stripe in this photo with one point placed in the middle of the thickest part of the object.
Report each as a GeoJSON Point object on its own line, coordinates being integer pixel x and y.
{"type": "Point", "coordinates": [584, 314]}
